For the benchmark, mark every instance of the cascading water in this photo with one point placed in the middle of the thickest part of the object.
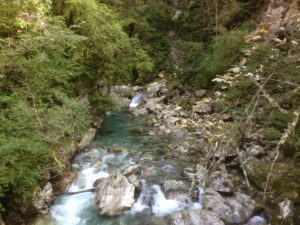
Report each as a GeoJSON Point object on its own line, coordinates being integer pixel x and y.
{"type": "Point", "coordinates": [95, 163]}
{"type": "Point", "coordinates": [137, 100]}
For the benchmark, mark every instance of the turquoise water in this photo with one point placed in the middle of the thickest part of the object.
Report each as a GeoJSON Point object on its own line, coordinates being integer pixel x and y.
{"type": "Point", "coordinates": [118, 129]}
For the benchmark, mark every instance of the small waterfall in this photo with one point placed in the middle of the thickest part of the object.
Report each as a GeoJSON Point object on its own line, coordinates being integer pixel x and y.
{"type": "Point", "coordinates": [199, 204]}
{"type": "Point", "coordinates": [68, 211]}
{"type": "Point", "coordinates": [142, 202]}
{"type": "Point", "coordinates": [137, 100]}
{"type": "Point", "coordinates": [162, 206]}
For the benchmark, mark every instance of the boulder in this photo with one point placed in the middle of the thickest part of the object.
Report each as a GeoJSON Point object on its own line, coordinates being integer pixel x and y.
{"type": "Point", "coordinates": [176, 189]}
{"type": "Point", "coordinates": [117, 149]}
{"type": "Point", "coordinates": [114, 195]}
{"type": "Point", "coordinates": [175, 185]}
{"type": "Point", "coordinates": [132, 169]}
{"type": "Point", "coordinates": [194, 217]}
{"type": "Point", "coordinates": [42, 198]}
{"type": "Point", "coordinates": [242, 207]}
{"type": "Point", "coordinates": [157, 87]}
{"type": "Point", "coordinates": [221, 181]}
{"type": "Point", "coordinates": [200, 93]}
{"type": "Point", "coordinates": [232, 210]}
{"type": "Point", "coordinates": [139, 112]}
{"type": "Point", "coordinates": [153, 106]}
{"type": "Point", "coordinates": [215, 203]}
{"type": "Point", "coordinates": [202, 108]}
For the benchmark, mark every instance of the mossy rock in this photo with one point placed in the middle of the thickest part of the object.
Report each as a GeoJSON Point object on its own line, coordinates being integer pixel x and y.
{"type": "Point", "coordinates": [272, 134]}
{"type": "Point", "coordinates": [275, 119]}
{"type": "Point", "coordinates": [284, 181]}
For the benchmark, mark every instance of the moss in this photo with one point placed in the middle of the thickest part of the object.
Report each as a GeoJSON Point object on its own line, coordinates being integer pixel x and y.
{"type": "Point", "coordinates": [275, 119]}
{"type": "Point", "coordinates": [272, 134]}
{"type": "Point", "coordinates": [284, 182]}
{"type": "Point", "coordinates": [187, 104]}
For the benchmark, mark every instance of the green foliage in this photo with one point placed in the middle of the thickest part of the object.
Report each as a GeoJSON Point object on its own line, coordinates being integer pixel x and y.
{"type": "Point", "coordinates": [275, 119]}
{"type": "Point", "coordinates": [149, 22]}
{"type": "Point", "coordinates": [226, 48]}
{"type": "Point", "coordinates": [110, 52]}
{"type": "Point", "coordinates": [24, 161]}
{"type": "Point", "coordinates": [272, 134]}
{"type": "Point", "coordinates": [37, 103]}
{"type": "Point", "coordinates": [201, 65]}
{"type": "Point", "coordinates": [101, 102]}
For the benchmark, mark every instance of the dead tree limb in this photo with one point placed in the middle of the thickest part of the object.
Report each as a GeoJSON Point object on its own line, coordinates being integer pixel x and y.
{"type": "Point", "coordinates": [288, 132]}
{"type": "Point", "coordinates": [77, 192]}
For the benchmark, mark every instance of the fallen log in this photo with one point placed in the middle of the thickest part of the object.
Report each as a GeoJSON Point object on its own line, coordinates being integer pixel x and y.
{"type": "Point", "coordinates": [77, 192]}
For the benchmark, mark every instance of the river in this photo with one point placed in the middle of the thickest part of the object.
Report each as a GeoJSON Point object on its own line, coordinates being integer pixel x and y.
{"type": "Point", "coordinates": [131, 133]}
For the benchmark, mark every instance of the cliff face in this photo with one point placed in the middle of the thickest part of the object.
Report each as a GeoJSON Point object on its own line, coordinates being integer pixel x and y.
{"type": "Point", "coordinates": [282, 19]}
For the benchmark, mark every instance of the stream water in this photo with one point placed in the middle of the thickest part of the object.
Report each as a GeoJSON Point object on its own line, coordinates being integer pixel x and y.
{"type": "Point", "coordinates": [120, 129]}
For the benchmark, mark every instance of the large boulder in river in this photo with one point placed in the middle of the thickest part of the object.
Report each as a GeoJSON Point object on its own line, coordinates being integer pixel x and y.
{"type": "Point", "coordinates": [194, 217]}
{"type": "Point", "coordinates": [114, 195]}
{"type": "Point", "coordinates": [232, 210]}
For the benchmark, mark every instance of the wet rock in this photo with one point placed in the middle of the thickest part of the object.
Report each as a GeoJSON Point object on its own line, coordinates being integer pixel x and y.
{"type": "Point", "coordinates": [201, 175]}
{"type": "Point", "coordinates": [177, 190]}
{"type": "Point", "coordinates": [194, 217]}
{"type": "Point", "coordinates": [140, 112]}
{"type": "Point", "coordinates": [257, 220]}
{"type": "Point", "coordinates": [232, 210]}
{"type": "Point", "coordinates": [175, 185]}
{"type": "Point", "coordinates": [221, 181]}
{"type": "Point", "coordinates": [117, 149]}
{"type": "Point", "coordinates": [202, 108]}
{"type": "Point", "coordinates": [148, 155]}
{"type": "Point", "coordinates": [132, 169]}
{"type": "Point", "coordinates": [200, 93]}
{"type": "Point", "coordinates": [42, 198]}
{"type": "Point", "coordinates": [115, 195]}
{"type": "Point", "coordinates": [134, 180]}
{"type": "Point", "coordinates": [136, 129]}
{"type": "Point", "coordinates": [87, 138]}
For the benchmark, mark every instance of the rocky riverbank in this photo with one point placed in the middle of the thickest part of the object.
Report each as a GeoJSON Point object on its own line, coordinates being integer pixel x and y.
{"type": "Point", "coordinates": [206, 148]}
{"type": "Point", "coordinates": [214, 167]}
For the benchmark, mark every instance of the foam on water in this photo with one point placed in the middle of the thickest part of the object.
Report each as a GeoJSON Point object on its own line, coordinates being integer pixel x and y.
{"type": "Point", "coordinates": [140, 205]}
{"type": "Point", "coordinates": [162, 206]}
{"type": "Point", "coordinates": [199, 204]}
{"type": "Point", "coordinates": [69, 209]}
{"type": "Point", "coordinates": [136, 100]}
